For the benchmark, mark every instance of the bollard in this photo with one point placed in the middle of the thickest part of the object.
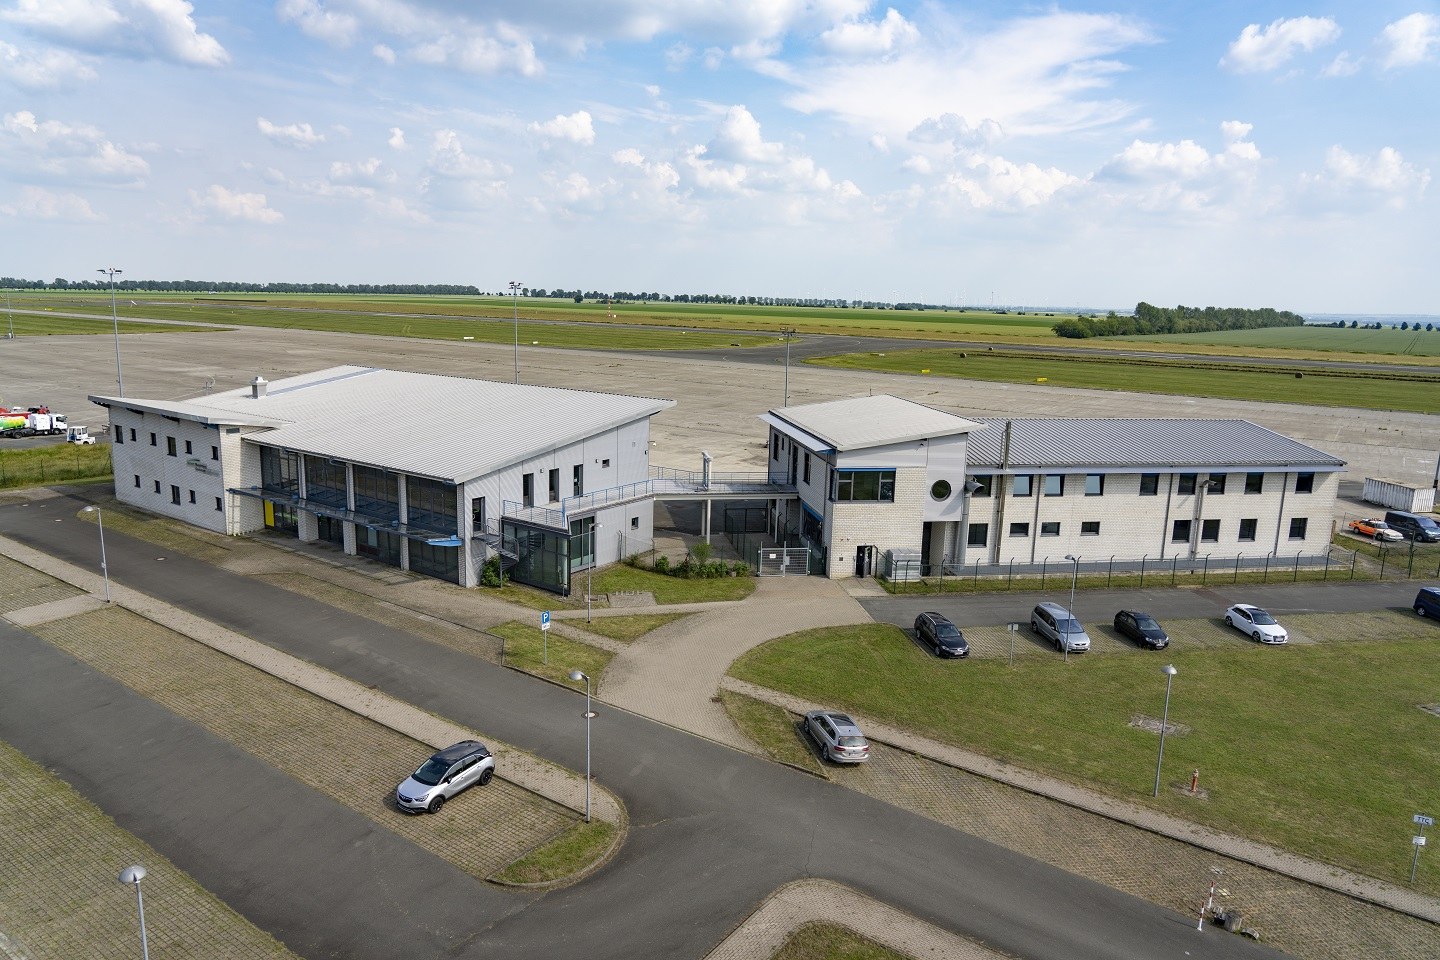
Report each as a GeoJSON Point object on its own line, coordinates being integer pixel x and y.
{"type": "Point", "coordinates": [1195, 781]}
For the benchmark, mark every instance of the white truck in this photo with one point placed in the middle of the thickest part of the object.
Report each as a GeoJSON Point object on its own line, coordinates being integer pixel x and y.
{"type": "Point", "coordinates": [79, 435]}
{"type": "Point", "coordinates": [46, 424]}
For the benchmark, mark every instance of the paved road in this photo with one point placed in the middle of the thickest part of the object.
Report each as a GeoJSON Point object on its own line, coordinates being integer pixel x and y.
{"type": "Point", "coordinates": [713, 830]}
{"type": "Point", "coordinates": [1190, 603]}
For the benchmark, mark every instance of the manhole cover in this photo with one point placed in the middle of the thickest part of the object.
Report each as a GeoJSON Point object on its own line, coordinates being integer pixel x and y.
{"type": "Point", "coordinates": [1152, 725]}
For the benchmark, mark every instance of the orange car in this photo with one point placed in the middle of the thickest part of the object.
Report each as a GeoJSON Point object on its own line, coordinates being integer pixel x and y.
{"type": "Point", "coordinates": [1378, 529]}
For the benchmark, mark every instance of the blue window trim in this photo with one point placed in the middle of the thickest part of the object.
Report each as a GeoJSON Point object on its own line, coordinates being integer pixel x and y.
{"type": "Point", "coordinates": [806, 507]}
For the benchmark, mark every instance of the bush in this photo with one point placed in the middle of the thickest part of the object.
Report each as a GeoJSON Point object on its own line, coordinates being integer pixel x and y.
{"type": "Point", "coordinates": [687, 567]}
{"type": "Point", "coordinates": [714, 569]}
{"type": "Point", "coordinates": [490, 574]}
{"type": "Point", "coordinates": [662, 564]}
{"type": "Point", "coordinates": [740, 568]}
{"type": "Point", "coordinates": [701, 552]}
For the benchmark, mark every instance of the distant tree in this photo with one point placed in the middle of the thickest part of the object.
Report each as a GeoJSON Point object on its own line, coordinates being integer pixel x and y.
{"type": "Point", "coordinates": [1404, 325]}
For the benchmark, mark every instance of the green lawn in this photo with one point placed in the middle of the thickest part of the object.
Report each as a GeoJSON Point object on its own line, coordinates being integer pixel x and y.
{"type": "Point", "coordinates": [527, 648]}
{"type": "Point", "coordinates": [574, 851]}
{"type": "Point", "coordinates": [53, 463]}
{"type": "Point", "coordinates": [1318, 748]}
{"type": "Point", "coordinates": [626, 629]}
{"type": "Point", "coordinates": [626, 579]}
{"type": "Point", "coordinates": [1239, 381]}
{"type": "Point", "coordinates": [1387, 340]}
{"type": "Point", "coordinates": [828, 941]}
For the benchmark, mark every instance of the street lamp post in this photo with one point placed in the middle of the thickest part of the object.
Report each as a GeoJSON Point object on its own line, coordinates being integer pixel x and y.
{"type": "Point", "coordinates": [788, 332]}
{"type": "Point", "coordinates": [578, 675]}
{"type": "Point", "coordinates": [133, 875]}
{"type": "Point", "coordinates": [515, 293]}
{"type": "Point", "coordinates": [115, 319]}
{"type": "Point", "coordinates": [594, 559]}
{"type": "Point", "coordinates": [1074, 575]}
{"type": "Point", "coordinates": [1169, 671]}
{"type": "Point", "coordinates": [100, 522]}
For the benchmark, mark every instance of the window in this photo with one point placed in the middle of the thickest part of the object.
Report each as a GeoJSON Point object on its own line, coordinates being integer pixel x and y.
{"type": "Point", "coordinates": [1180, 532]}
{"type": "Point", "coordinates": [477, 513]}
{"type": "Point", "coordinates": [940, 490]}
{"type": "Point", "coordinates": [1050, 528]}
{"type": "Point", "coordinates": [1019, 529]}
{"type": "Point", "coordinates": [1094, 484]}
{"type": "Point", "coordinates": [1023, 485]}
{"type": "Point", "coordinates": [1054, 485]}
{"type": "Point", "coordinates": [986, 485]}
{"type": "Point", "coordinates": [577, 480]}
{"type": "Point", "coordinates": [1187, 484]}
{"type": "Point", "coordinates": [873, 486]}
{"type": "Point", "coordinates": [192, 496]}
{"type": "Point", "coordinates": [325, 481]}
{"type": "Point", "coordinates": [807, 466]}
{"type": "Point", "coordinates": [554, 484]}
{"type": "Point", "coordinates": [279, 471]}
{"type": "Point", "coordinates": [605, 464]}
{"type": "Point", "coordinates": [1304, 483]}
{"type": "Point", "coordinates": [1210, 531]}
{"type": "Point", "coordinates": [157, 486]}
{"type": "Point", "coordinates": [132, 434]}
{"type": "Point", "coordinates": [1149, 484]}
{"type": "Point", "coordinates": [188, 447]}
{"type": "Point", "coordinates": [979, 533]}
{"type": "Point", "coordinates": [169, 446]}
{"type": "Point", "coordinates": [1254, 483]}
{"type": "Point", "coordinates": [1090, 528]}
{"type": "Point", "coordinates": [527, 490]}
{"type": "Point", "coordinates": [430, 504]}
{"type": "Point", "coordinates": [1215, 484]}
{"type": "Point", "coordinates": [137, 481]}
{"type": "Point", "coordinates": [119, 434]}
{"type": "Point", "coordinates": [377, 496]}
{"type": "Point", "coordinates": [1297, 527]}
{"type": "Point", "coordinates": [634, 523]}
{"type": "Point", "coordinates": [214, 452]}
{"type": "Point", "coordinates": [774, 446]}
{"type": "Point", "coordinates": [174, 493]}
{"type": "Point", "coordinates": [217, 504]}
{"type": "Point", "coordinates": [1247, 529]}
{"type": "Point", "coordinates": [154, 440]}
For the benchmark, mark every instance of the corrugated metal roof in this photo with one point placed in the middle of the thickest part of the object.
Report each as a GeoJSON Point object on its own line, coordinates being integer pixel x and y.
{"type": "Point", "coordinates": [862, 422]}
{"type": "Point", "coordinates": [449, 428]}
{"type": "Point", "coordinates": [1107, 442]}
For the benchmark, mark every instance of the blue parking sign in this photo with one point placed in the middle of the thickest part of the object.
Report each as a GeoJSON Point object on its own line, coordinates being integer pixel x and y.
{"type": "Point", "coordinates": [545, 620]}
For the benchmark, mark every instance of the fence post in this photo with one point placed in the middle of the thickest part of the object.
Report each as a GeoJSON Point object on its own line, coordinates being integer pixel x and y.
{"type": "Point", "coordinates": [1297, 569]}
{"type": "Point", "coordinates": [1354, 555]}
{"type": "Point", "coordinates": [1110, 573]}
{"type": "Point", "coordinates": [1010, 577]}
{"type": "Point", "coordinates": [1205, 572]}
{"type": "Point", "coordinates": [1325, 576]}
{"type": "Point", "coordinates": [1383, 551]}
{"type": "Point", "coordinates": [1174, 569]}
{"type": "Point", "coordinates": [1236, 578]}
{"type": "Point", "coordinates": [1044, 565]}
{"type": "Point", "coordinates": [975, 581]}
{"type": "Point", "coordinates": [1142, 569]}
{"type": "Point", "coordinates": [1410, 568]}
{"type": "Point", "coordinates": [1265, 576]}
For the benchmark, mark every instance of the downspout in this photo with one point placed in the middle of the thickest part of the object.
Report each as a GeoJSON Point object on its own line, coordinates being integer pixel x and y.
{"type": "Point", "coordinates": [1280, 517]}
{"type": "Point", "coordinates": [1169, 498]}
{"type": "Point", "coordinates": [997, 490]}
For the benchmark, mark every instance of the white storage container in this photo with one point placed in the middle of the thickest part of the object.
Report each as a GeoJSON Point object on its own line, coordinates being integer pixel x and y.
{"type": "Point", "coordinates": [1399, 496]}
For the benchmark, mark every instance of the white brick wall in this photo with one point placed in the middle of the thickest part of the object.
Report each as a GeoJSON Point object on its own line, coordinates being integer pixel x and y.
{"type": "Point", "coordinates": [193, 475]}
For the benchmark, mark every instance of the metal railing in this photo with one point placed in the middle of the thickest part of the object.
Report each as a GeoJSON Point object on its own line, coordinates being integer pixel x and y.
{"type": "Point", "coordinates": [663, 482]}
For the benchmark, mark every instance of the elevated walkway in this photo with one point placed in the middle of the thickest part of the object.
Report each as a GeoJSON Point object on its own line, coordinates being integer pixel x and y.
{"type": "Point", "coordinates": [664, 484]}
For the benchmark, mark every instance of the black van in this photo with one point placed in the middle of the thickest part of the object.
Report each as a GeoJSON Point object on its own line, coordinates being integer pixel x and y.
{"type": "Point", "coordinates": [1427, 602]}
{"type": "Point", "coordinates": [1415, 526]}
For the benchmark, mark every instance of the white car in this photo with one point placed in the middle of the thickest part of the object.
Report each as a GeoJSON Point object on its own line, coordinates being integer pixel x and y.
{"type": "Point", "coordinates": [444, 775]}
{"type": "Point", "coordinates": [1259, 625]}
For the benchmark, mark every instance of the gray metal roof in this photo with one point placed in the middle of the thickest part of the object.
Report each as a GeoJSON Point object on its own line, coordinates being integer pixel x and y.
{"type": "Point", "coordinates": [862, 422]}
{"type": "Point", "coordinates": [449, 428]}
{"type": "Point", "coordinates": [1150, 442]}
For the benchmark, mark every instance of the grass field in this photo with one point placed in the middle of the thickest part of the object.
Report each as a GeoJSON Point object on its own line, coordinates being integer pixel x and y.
{"type": "Point", "coordinates": [1388, 340]}
{"type": "Point", "coordinates": [1280, 384]}
{"type": "Point", "coordinates": [1319, 748]}
{"type": "Point", "coordinates": [29, 466]}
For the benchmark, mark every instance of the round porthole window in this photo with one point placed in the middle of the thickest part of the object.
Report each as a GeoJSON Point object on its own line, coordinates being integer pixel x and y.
{"type": "Point", "coordinates": [940, 490]}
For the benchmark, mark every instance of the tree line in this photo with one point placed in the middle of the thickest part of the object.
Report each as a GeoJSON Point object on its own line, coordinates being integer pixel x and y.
{"type": "Point", "coordinates": [233, 286]}
{"type": "Point", "coordinates": [1149, 319]}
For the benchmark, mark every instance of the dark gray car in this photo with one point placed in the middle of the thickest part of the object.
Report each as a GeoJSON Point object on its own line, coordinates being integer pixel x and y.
{"type": "Point", "coordinates": [1144, 629]}
{"type": "Point", "coordinates": [939, 634]}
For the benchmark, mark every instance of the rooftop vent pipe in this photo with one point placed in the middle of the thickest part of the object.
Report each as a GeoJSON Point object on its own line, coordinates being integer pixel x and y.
{"type": "Point", "coordinates": [257, 387]}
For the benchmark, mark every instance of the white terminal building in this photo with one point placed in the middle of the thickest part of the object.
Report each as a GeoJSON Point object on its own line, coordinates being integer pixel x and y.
{"type": "Point", "coordinates": [882, 474]}
{"type": "Point", "coordinates": [442, 475]}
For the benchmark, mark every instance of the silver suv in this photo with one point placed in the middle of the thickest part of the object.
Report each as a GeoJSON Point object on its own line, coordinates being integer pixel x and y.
{"type": "Point", "coordinates": [1054, 623]}
{"type": "Point", "coordinates": [444, 775]}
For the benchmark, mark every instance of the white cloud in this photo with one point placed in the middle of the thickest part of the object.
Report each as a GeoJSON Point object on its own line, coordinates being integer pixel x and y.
{"type": "Point", "coordinates": [1387, 176]}
{"type": "Point", "coordinates": [59, 149]}
{"type": "Point", "coordinates": [148, 29]}
{"type": "Point", "coordinates": [739, 160]}
{"type": "Point", "coordinates": [996, 183]}
{"type": "Point", "coordinates": [1269, 48]}
{"type": "Point", "coordinates": [45, 69]}
{"type": "Point", "coordinates": [299, 135]}
{"type": "Point", "coordinates": [576, 128]}
{"type": "Point", "coordinates": [230, 205]}
{"type": "Point", "coordinates": [1035, 75]}
{"type": "Point", "coordinates": [1184, 176]}
{"type": "Point", "coordinates": [1233, 130]}
{"type": "Point", "coordinates": [319, 21]}
{"type": "Point", "coordinates": [384, 54]}
{"type": "Point", "coordinates": [738, 139]}
{"type": "Point", "coordinates": [870, 37]}
{"type": "Point", "coordinates": [956, 130]}
{"type": "Point", "coordinates": [397, 139]}
{"type": "Point", "coordinates": [449, 159]}
{"type": "Point", "coordinates": [1344, 65]}
{"type": "Point", "coordinates": [677, 55]}
{"type": "Point", "coordinates": [1410, 40]}
{"type": "Point", "coordinates": [366, 172]}
{"type": "Point", "coordinates": [37, 203]}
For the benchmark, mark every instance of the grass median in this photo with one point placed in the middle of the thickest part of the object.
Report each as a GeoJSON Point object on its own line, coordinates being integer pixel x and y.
{"type": "Point", "coordinates": [829, 941]}
{"type": "Point", "coordinates": [1319, 748]}
{"type": "Point", "coordinates": [528, 648]}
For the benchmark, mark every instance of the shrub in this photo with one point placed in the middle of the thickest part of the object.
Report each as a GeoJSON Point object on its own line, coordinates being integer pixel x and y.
{"type": "Point", "coordinates": [701, 552]}
{"type": "Point", "coordinates": [687, 567]}
{"type": "Point", "coordinates": [662, 564]}
{"type": "Point", "coordinates": [490, 574]}
{"type": "Point", "coordinates": [713, 569]}
{"type": "Point", "coordinates": [740, 568]}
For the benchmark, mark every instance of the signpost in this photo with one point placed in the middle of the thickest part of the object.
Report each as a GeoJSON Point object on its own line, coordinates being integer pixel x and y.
{"type": "Point", "coordinates": [1422, 821]}
{"type": "Point", "coordinates": [1014, 628]}
{"type": "Point", "coordinates": [545, 637]}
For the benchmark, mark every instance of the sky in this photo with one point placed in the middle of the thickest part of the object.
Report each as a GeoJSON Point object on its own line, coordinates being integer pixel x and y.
{"type": "Point", "coordinates": [1084, 154]}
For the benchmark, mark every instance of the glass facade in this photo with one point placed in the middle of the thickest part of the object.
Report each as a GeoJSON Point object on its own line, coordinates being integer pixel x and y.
{"type": "Point", "coordinates": [325, 481]}
{"type": "Point", "coordinates": [279, 471]}
{"type": "Point", "coordinates": [430, 504]}
{"type": "Point", "coordinates": [379, 545]}
{"type": "Point", "coordinates": [544, 556]}
{"type": "Point", "coordinates": [442, 563]}
{"type": "Point", "coordinates": [865, 485]}
{"type": "Point", "coordinates": [377, 494]}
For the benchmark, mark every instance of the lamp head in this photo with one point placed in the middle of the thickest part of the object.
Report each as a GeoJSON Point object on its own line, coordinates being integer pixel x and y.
{"type": "Point", "coordinates": [577, 675]}
{"type": "Point", "coordinates": [88, 508]}
{"type": "Point", "coordinates": [1169, 670]}
{"type": "Point", "coordinates": [132, 874]}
